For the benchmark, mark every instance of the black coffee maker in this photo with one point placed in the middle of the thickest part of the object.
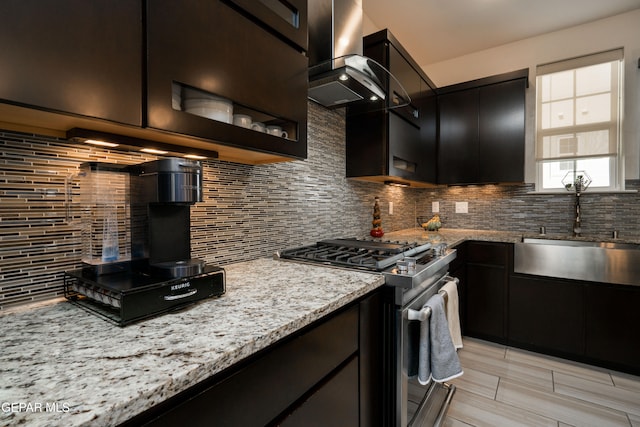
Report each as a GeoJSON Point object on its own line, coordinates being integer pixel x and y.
{"type": "Point", "coordinates": [162, 192]}
{"type": "Point", "coordinates": [154, 273]}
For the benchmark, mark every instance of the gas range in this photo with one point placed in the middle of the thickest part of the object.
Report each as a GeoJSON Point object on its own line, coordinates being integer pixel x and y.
{"type": "Point", "coordinates": [363, 254]}
{"type": "Point", "coordinates": [404, 264]}
{"type": "Point", "coordinates": [413, 273]}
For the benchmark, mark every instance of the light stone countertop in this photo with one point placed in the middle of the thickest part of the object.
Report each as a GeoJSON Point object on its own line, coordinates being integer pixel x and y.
{"type": "Point", "coordinates": [452, 236]}
{"type": "Point", "coordinates": [72, 368]}
{"type": "Point", "coordinates": [455, 236]}
{"type": "Point", "coordinates": [63, 366]}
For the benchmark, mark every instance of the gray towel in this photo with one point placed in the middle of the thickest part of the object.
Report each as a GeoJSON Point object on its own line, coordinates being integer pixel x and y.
{"type": "Point", "coordinates": [437, 356]}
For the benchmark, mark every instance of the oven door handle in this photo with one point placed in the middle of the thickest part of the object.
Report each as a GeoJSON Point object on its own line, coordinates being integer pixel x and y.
{"type": "Point", "coordinates": [419, 315]}
{"type": "Point", "coordinates": [425, 312]}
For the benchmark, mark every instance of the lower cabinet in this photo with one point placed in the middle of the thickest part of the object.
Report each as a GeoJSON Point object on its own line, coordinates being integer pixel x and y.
{"type": "Point", "coordinates": [313, 378]}
{"type": "Point", "coordinates": [336, 403]}
{"type": "Point", "coordinates": [612, 326]}
{"type": "Point", "coordinates": [458, 269]}
{"type": "Point", "coordinates": [547, 314]}
{"type": "Point", "coordinates": [590, 322]}
{"type": "Point", "coordinates": [486, 290]}
{"type": "Point", "coordinates": [585, 321]}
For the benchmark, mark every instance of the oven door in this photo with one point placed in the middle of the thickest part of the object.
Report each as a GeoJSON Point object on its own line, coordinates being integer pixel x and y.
{"type": "Point", "coordinates": [416, 404]}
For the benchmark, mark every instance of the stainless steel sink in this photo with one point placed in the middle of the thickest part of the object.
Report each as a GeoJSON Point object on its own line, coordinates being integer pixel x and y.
{"type": "Point", "coordinates": [604, 262]}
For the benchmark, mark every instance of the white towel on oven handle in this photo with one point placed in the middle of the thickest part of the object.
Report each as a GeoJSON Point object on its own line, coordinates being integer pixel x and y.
{"type": "Point", "coordinates": [438, 359]}
{"type": "Point", "coordinates": [452, 312]}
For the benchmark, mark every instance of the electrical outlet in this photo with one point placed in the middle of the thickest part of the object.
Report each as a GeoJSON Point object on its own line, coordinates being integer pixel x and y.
{"type": "Point", "coordinates": [435, 207]}
{"type": "Point", "coordinates": [462, 207]}
{"type": "Point", "coordinates": [390, 208]}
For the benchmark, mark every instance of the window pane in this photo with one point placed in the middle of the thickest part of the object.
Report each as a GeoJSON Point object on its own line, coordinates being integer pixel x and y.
{"type": "Point", "coordinates": [558, 145]}
{"type": "Point", "coordinates": [593, 109]}
{"type": "Point", "coordinates": [597, 169]}
{"type": "Point", "coordinates": [553, 172]}
{"type": "Point", "coordinates": [562, 85]}
{"type": "Point", "coordinates": [578, 119]}
{"type": "Point", "coordinates": [561, 114]}
{"type": "Point", "coordinates": [594, 143]}
{"type": "Point", "coordinates": [593, 79]}
{"type": "Point", "coordinates": [580, 144]}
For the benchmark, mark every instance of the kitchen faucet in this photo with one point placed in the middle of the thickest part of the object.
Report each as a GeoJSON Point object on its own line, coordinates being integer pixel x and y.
{"type": "Point", "coordinates": [579, 184]}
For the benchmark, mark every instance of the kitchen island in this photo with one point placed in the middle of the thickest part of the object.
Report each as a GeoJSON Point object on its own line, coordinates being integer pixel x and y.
{"type": "Point", "coordinates": [61, 365]}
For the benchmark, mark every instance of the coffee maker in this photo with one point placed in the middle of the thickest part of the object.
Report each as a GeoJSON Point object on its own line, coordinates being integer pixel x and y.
{"type": "Point", "coordinates": [139, 262]}
{"type": "Point", "coordinates": [162, 192]}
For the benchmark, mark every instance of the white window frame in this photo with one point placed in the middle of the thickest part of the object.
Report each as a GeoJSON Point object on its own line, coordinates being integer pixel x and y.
{"type": "Point", "coordinates": [616, 158]}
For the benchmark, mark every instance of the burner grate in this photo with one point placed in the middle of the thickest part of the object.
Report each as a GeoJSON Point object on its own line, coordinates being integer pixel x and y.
{"type": "Point", "coordinates": [355, 253]}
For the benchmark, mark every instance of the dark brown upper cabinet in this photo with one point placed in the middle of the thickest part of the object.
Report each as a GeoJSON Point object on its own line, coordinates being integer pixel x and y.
{"type": "Point", "coordinates": [231, 50]}
{"type": "Point", "coordinates": [481, 132]}
{"type": "Point", "coordinates": [397, 144]}
{"type": "Point", "coordinates": [123, 68]}
{"type": "Point", "coordinates": [286, 18]}
{"type": "Point", "coordinates": [74, 56]}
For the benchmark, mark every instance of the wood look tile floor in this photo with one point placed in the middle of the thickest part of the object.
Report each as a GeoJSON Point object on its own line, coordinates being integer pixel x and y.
{"type": "Point", "coordinates": [504, 386]}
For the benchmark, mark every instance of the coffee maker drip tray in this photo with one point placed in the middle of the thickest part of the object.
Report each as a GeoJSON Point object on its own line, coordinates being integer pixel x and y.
{"type": "Point", "coordinates": [177, 269]}
{"type": "Point", "coordinates": [129, 296]}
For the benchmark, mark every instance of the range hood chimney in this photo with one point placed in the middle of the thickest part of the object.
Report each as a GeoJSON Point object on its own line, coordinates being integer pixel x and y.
{"type": "Point", "coordinates": [338, 73]}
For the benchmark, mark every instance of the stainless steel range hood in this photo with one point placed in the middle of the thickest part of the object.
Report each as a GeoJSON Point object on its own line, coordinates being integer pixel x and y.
{"type": "Point", "coordinates": [338, 73]}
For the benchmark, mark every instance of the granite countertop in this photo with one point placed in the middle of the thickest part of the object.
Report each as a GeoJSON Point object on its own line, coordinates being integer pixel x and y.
{"type": "Point", "coordinates": [61, 365]}
{"type": "Point", "coordinates": [453, 237]}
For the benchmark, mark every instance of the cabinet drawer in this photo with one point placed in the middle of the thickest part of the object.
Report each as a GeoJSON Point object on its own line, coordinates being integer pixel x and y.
{"type": "Point", "coordinates": [487, 253]}
{"type": "Point", "coordinates": [322, 408]}
{"type": "Point", "coordinates": [263, 389]}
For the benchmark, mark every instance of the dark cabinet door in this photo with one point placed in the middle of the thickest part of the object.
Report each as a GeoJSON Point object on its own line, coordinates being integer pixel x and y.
{"type": "Point", "coordinates": [399, 142]}
{"type": "Point", "coordinates": [288, 18]}
{"type": "Point", "coordinates": [486, 290]}
{"type": "Point", "coordinates": [458, 269]}
{"type": "Point", "coordinates": [482, 130]}
{"type": "Point", "coordinates": [405, 147]}
{"type": "Point", "coordinates": [612, 325]}
{"type": "Point", "coordinates": [546, 314]}
{"type": "Point", "coordinates": [210, 46]}
{"type": "Point", "coordinates": [428, 110]}
{"type": "Point", "coordinates": [258, 392]}
{"type": "Point", "coordinates": [74, 56]}
{"type": "Point", "coordinates": [410, 80]}
{"type": "Point", "coordinates": [501, 132]}
{"type": "Point", "coordinates": [333, 404]}
{"type": "Point", "coordinates": [485, 302]}
{"type": "Point", "coordinates": [458, 137]}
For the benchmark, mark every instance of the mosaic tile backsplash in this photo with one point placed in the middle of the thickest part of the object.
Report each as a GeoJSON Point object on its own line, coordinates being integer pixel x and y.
{"type": "Point", "coordinates": [253, 211]}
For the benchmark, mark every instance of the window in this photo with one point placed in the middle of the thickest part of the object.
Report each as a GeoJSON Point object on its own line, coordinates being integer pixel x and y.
{"type": "Point", "coordinates": [578, 121]}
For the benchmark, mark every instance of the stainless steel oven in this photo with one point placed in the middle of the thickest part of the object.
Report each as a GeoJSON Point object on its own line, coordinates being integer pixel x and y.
{"type": "Point", "coordinates": [413, 273]}
{"type": "Point", "coordinates": [416, 404]}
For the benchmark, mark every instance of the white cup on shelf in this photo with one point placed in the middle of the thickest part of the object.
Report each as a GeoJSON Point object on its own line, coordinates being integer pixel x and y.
{"type": "Point", "coordinates": [277, 131]}
{"type": "Point", "coordinates": [242, 120]}
{"type": "Point", "coordinates": [258, 126]}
